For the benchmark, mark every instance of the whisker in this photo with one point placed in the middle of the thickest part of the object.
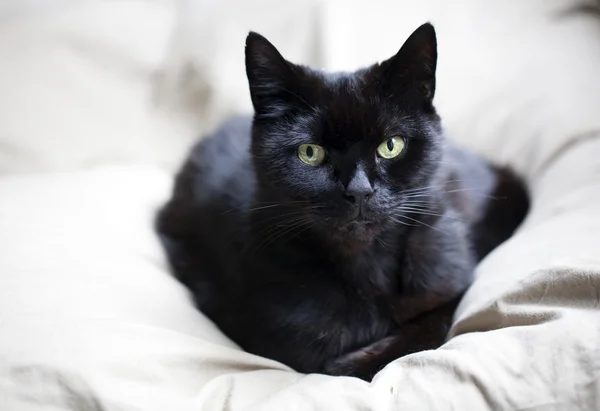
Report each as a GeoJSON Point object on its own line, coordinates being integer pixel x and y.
{"type": "Point", "coordinates": [476, 190]}
{"type": "Point", "coordinates": [265, 205]}
{"type": "Point", "coordinates": [422, 223]}
{"type": "Point", "coordinates": [430, 186]}
{"type": "Point", "coordinates": [278, 216]}
{"type": "Point", "coordinates": [278, 225]}
{"type": "Point", "coordinates": [271, 239]}
{"type": "Point", "coordinates": [423, 204]}
{"type": "Point", "coordinates": [421, 212]}
{"type": "Point", "coordinates": [422, 196]}
{"type": "Point", "coordinates": [258, 231]}
{"type": "Point", "coordinates": [383, 243]}
{"type": "Point", "coordinates": [301, 231]}
{"type": "Point", "coordinates": [401, 222]}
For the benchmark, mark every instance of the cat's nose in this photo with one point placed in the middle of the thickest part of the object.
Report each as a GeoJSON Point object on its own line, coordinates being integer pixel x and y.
{"type": "Point", "coordinates": [359, 188]}
{"type": "Point", "coordinates": [358, 196]}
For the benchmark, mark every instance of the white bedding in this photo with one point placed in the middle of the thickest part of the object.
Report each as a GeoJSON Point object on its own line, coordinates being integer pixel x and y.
{"type": "Point", "coordinates": [94, 118]}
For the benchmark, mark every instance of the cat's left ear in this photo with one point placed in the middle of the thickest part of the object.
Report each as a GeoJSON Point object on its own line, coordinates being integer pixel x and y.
{"type": "Point", "coordinates": [412, 69]}
{"type": "Point", "coordinates": [274, 82]}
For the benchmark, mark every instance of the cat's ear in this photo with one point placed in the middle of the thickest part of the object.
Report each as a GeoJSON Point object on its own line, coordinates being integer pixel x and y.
{"type": "Point", "coordinates": [272, 79]}
{"type": "Point", "coordinates": [412, 69]}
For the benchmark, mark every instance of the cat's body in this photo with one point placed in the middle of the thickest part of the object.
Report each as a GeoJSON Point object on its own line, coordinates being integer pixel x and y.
{"type": "Point", "coordinates": [346, 263]}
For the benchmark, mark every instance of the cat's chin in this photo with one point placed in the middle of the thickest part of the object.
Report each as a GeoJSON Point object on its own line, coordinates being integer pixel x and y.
{"type": "Point", "coordinates": [356, 235]}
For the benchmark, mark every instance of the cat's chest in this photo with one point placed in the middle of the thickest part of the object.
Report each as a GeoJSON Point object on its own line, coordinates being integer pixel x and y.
{"type": "Point", "coordinates": [373, 273]}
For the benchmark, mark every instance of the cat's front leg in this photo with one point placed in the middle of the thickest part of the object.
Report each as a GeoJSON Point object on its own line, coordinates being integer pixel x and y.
{"type": "Point", "coordinates": [426, 332]}
{"type": "Point", "coordinates": [362, 363]}
{"type": "Point", "coordinates": [438, 267]}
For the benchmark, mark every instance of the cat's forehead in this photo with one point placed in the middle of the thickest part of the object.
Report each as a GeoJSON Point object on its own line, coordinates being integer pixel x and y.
{"type": "Point", "coordinates": [350, 109]}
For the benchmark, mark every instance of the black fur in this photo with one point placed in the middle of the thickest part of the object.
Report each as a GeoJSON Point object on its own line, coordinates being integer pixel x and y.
{"type": "Point", "coordinates": [290, 261]}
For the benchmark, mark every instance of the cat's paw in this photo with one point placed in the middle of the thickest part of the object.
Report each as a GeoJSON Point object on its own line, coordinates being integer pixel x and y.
{"type": "Point", "coordinates": [347, 366]}
{"type": "Point", "coordinates": [363, 363]}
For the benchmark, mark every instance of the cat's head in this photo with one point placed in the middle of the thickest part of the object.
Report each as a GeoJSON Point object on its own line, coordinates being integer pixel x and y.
{"type": "Point", "coordinates": [345, 148]}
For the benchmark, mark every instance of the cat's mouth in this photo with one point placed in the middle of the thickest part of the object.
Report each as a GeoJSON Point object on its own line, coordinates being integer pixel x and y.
{"type": "Point", "coordinates": [355, 229]}
{"type": "Point", "coordinates": [356, 235]}
{"type": "Point", "coordinates": [361, 228]}
{"type": "Point", "coordinates": [360, 220]}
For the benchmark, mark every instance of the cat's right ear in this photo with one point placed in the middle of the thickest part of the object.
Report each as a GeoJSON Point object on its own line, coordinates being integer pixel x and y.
{"type": "Point", "coordinates": [273, 82]}
{"type": "Point", "coordinates": [412, 69]}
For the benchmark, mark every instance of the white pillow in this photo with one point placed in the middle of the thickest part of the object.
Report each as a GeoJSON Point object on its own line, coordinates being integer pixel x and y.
{"type": "Point", "coordinates": [77, 80]}
{"type": "Point", "coordinates": [86, 83]}
{"type": "Point", "coordinates": [88, 309]}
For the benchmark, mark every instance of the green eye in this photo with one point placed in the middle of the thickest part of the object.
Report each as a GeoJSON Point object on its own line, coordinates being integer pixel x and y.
{"type": "Point", "coordinates": [390, 148]}
{"type": "Point", "coordinates": [311, 154]}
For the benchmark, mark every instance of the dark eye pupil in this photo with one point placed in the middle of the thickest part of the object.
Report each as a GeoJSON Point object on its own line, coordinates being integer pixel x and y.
{"type": "Point", "coordinates": [390, 144]}
{"type": "Point", "coordinates": [309, 152]}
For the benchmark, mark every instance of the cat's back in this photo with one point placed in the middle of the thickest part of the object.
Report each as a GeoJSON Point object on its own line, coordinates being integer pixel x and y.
{"type": "Point", "coordinates": [207, 214]}
{"type": "Point", "coordinates": [219, 166]}
{"type": "Point", "coordinates": [492, 199]}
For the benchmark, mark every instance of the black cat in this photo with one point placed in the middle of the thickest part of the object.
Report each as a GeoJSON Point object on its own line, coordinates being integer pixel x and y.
{"type": "Point", "coordinates": [337, 230]}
